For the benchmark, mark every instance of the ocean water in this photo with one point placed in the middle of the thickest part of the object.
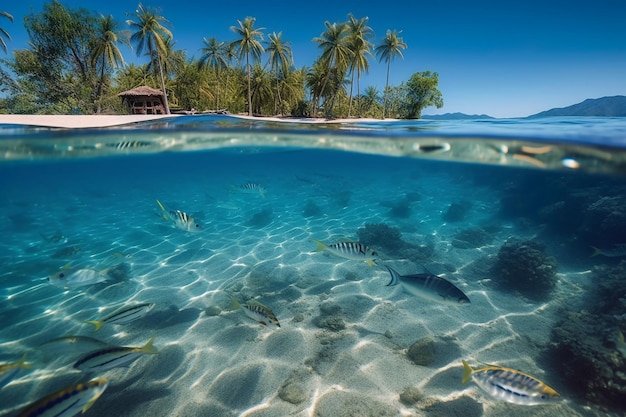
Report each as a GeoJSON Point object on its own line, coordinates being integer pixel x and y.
{"type": "Point", "coordinates": [526, 217]}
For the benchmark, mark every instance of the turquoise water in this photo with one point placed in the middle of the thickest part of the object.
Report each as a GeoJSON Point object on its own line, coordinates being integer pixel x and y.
{"type": "Point", "coordinates": [508, 211]}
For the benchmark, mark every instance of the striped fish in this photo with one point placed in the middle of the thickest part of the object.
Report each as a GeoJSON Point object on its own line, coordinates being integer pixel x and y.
{"type": "Point", "coordinates": [258, 312]}
{"type": "Point", "coordinates": [114, 356]}
{"type": "Point", "coordinates": [349, 250]}
{"type": "Point", "coordinates": [69, 345]}
{"type": "Point", "coordinates": [124, 315]}
{"type": "Point", "coordinates": [510, 385]}
{"type": "Point", "coordinates": [69, 401]}
{"type": "Point", "coordinates": [252, 188]}
{"type": "Point", "coordinates": [128, 144]}
{"type": "Point", "coordinates": [180, 219]}
{"type": "Point", "coordinates": [430, 287]}
{"type": "Point", "coordinates": [8, 371]}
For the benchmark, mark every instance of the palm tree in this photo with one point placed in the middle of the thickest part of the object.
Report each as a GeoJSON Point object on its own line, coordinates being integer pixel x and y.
{"type": "Point", "coordinates": [151, 34]}
{"type": "Point", "coordinates": [280, 60]}
{"type": "Point", "coordinates": [359, 33]}
{"type": "Point", "coordinates": [4, 33]}
{"type": "Point", "coordinates": [106, 51]}
{"type": "Point", "coordinates": [389, 48]}
{"type": "Point", "coordinates": [336, 54]}
{"type": "Point", "coordinates": [214, 55]}
{"type": "Point", "coordinates": [248, 44]}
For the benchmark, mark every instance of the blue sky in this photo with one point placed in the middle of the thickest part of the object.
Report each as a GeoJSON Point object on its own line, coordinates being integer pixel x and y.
{"type": "Point", "coordinates": [502, 58]}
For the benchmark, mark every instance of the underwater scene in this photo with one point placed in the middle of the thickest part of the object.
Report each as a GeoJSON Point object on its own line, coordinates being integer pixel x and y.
{"type": "Point", "coordinates": [218, 266]}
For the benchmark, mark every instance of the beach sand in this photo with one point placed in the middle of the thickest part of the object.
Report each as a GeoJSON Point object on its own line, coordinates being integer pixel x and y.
{"type": "Point", "coordinates": [342, 349]}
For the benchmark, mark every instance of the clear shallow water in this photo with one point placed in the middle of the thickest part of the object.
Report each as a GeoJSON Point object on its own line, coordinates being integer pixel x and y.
{"type": "Point", "coordinates": [85, 198]}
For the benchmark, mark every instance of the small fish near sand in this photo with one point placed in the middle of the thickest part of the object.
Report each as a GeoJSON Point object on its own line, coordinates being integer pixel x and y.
{"type": "Point", "coordinates": [69, 345]}
{"type": "Point", "coordinates": [68, 402]}
{"type": "Point", "coordinates": [123, 315]}
{"type": "Point", "coordinates": [430, 287]}
{"type": "Point", "coordinates": [251, 188]}
{"type": "Point", "coordinates": [179, 219]}
{"type": "Point", "coordinates": [615, 251]}
{"type": "Point", "coordinates": [510, 385]}
{"type": "Point", "coordinates": [257, 312]}
{"type": "Point", "coordinates": [10, 370]}
{"type": "Point", "coordinates": [113, 357]}
{"type": "Point", "coordinates": [349, 250]}
{"type": "Point", "coordinates": [73, 278]}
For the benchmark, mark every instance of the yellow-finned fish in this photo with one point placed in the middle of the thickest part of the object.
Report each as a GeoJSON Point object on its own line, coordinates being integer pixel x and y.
{"type": "Point", "coordinates": [8, 371]}
{"type": "Point", "coordinates": [114, 356]}
{"type": "Point", "coordinates": [510, 385]}
{"type": "Point", "coordinates": [621, 345]}
{"type": "Point", "coordinates": [73, 278]}
{"type": "Point", "coordinates": [123, 315]}
{"type": "Point", "coordinates": [258, 312]}
{"type": "Point", "coordinates": [69, 401]}
{"type": "Point", "coordinates": [252, 188]}
{"type": "Point", "coordinates": [349, 250]}
{"type": "Point", "coordinates": [180, 219]}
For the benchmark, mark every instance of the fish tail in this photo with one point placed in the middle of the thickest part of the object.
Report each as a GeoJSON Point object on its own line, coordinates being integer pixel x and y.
{"type": "Point", "coordinates": [166, 217]}
{"type": "Point", "coordinates": [97, 323]}
{"type": "Point", "coordinates": [148, 348]}
{"type": "Point", "coordinates": [596, 251]}
{"type": "Point", "coordinates": [320, 246]}
{"type": "Point", "coordinates": [467, 372]}
{"type": "Point", "coordinates": [235, 304]}
{"type": "Point", "coordinates": [100, 382]}
{"type": "Point", "coordinates": [22, 362]}
{"type": "Point", "coordinates": [394, 276]}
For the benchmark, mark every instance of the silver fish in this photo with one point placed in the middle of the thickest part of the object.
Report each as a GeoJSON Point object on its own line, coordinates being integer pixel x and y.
{"type": "Point", "coordinates": [430, 287]}
{"type": "Point", "coordinates": [180, 219]}
{"type": "Point", "coordinates": [75, 278]}
{"type": "Point", "coordinates": [349, 250]}
{"type": "Point", "coordinates": [510, 385]}
{"type": "Point", "coordinates": [124, 315]}
{"type": "Point", "coordinates": [252, 188]}
{"type": "Point", "coordinates": [114, 356]}
{"type": "Point", "coordinates": [258, 312]}
{"type": "Point", "coordinates": [615, 251]}
{"type": "Point", "coordinates": [8, 371]}
{"type": "Point", "coordinates": [69, 345]}
{"type": "Point", "coordinates": [69, 401]}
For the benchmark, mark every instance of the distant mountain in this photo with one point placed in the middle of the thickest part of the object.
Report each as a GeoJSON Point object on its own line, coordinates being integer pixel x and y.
{"type": "Point", "coordinates": [614, 106]}
{"type": "Point", "coordinates": [456, 116]}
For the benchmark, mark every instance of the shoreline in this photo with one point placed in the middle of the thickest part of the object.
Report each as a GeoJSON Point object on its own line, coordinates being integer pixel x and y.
{"type": "Point", "coordinates": [97, 121]}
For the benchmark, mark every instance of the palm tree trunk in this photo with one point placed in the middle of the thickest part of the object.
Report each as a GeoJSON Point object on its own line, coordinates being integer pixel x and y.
{"type": "Point", "coordinates": [350, 102]}
{"type": "Point", "coordinates": [386, 88]}
{"type": "Point", "coordinates": [165, 102]}
{"type": "Point", "coordinates": [249, 86]}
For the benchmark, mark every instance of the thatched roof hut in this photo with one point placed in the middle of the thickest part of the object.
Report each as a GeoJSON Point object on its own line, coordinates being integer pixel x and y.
{"type": "Point", "coordinates": [144, 100]}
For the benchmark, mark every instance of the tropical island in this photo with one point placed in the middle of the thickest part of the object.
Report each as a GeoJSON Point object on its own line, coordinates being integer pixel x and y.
{"type": "Point", "coordinates": [74, 65]}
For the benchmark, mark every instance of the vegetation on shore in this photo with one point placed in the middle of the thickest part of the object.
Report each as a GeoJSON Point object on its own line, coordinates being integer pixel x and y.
{"type": "Point", "coordinates": [74, 64]}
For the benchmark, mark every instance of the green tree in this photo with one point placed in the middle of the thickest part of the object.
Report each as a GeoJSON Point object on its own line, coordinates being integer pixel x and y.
{"type": "Point", "coordinates": [248, 45]}
{"type": "Point", "coordinates": [280, 60]}
{"type": "Point", "coordinates": [4, 33]}
{"type": "Point", "coordinates": [369, 102]}
{"type": "Point", "coordinates": [360, 46]}
{"type": "Point", "coordinates": [390, 47]}
{"type": "Point", "coordinates": [105, 54]}
{"type": "Point", "coordinates": [335, 59]}
{"type": "Point", "coordinates": [151, 34]}
{"type": "Point", "coordinates": [422, 92]}
{"type": "Point", "coordinates": [214, 55]}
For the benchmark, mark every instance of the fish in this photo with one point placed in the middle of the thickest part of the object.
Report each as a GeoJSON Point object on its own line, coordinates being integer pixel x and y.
{"type": "Point", "coordinates": [349, 250]}
{"type": "Point", "coordinates": [69, 401]}
{"type": "Point", "coordinates": [69, 345]}
{"type": "Point", "coordinates": [113, 357]}
{"type": "Point", "coordinates": [258, 312]}
{"type": "Point", "coordinates": [252, 188]}
{"type": "Point", "coordinates": [180, 219]}
{"type": "Point", "coordinates": [430, 287]}
{"type": "Point", "coordinates": [621, 345]}
{"type": "Point", "coordinates": [124, 315]}
{"type": "Point", "coordinates": [615, 251]}
{"type": "Point", "coordinates": [73, 278]}
{"type": "Point", "coordinates": [510, 385]}
{"type": "Point", "coordinates": [128, 144]}
{"type": "Point", "coordinates": [10, 370]}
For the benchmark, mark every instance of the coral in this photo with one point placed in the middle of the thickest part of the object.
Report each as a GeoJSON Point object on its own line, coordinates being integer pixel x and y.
{"type": "Point", "coordinates": [261, 218]}
{"type": "Point", "coordinates": [311, 209]}
{"type": "Point", "coordinates": [525, 267]}
{"type": "Point", "coordinates": [382, 236]}
{"type": "Point", "coordinates": [410, 395]}
{"type": "Point", "coordinates": [457, 211]}
{"type": "Point", "coordinates": [422, 352]}
{"type": "Point", "coordinates": [604, 221]}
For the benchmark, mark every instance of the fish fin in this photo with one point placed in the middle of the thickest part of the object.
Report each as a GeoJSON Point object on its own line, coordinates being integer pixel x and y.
{"type": "Point", "coordinates": [320, 246]}
{"type": "Point", "coordinates": [395, 277]}
{"type": "Point", "coordinates": [67, 266]}
{"type": "Point", "coordinates": [596, 251]}
{"type": "Point", "coordinates": [164, 214]}
{"type": "Point", "coordinates": [22, 362]}
{"type": "Point", "coordinates": [371, 262]}
{"type": "Point", "coordinates": [97, 323]}
{"type": "Point", "coordinates": [262, 193]}
{"type": "Point", "coordinates": [148, 348]}
{"type": "Point", "coordinates": [620, 338]}
{"type": "Point", "coordinates": [467, 372]}
{"type": "Point", "coordinates": [91, 402]}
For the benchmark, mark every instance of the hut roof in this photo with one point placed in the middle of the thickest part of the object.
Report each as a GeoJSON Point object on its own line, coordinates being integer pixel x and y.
{"type": "Point", "coordinates": [143, 90]}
